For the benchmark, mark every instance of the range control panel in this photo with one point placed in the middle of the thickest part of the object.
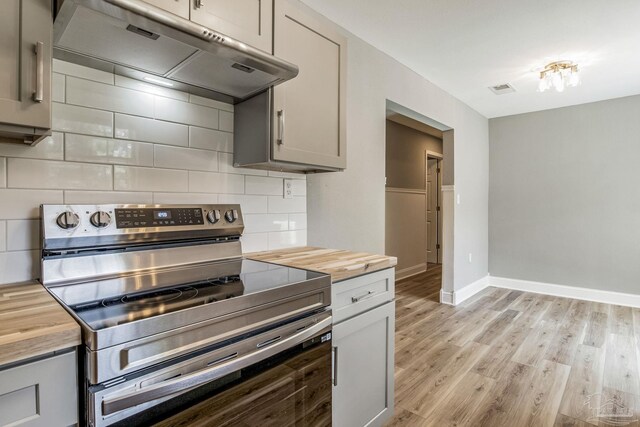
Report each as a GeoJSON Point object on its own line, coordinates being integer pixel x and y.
{"type": "Point", "coordinates": [69, 221]}
{"type": "Point", "coordinates": [158, 217]}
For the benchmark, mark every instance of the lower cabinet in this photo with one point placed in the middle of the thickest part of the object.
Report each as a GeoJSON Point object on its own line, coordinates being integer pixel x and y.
{"type": "Point", "coordinates": [363, 368]}
{"type": "Point", "coordinates": [42, 393]}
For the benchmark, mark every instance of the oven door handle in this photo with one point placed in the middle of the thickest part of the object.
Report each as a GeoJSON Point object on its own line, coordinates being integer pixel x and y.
{"type": "Point", "coordinates": [111, 405]}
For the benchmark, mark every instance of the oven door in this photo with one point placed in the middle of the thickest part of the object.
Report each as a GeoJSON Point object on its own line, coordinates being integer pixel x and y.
{"type": "Point", "coordinates": [278, 377]}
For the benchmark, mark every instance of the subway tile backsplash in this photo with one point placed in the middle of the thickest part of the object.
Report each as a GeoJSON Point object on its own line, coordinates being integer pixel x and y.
{"type": "Point", "coordinates": [118, 140]}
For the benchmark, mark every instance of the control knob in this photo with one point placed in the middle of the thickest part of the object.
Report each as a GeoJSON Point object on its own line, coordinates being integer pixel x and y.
{"type": "Point", "coordinates": [68, 220]}
{"type": "Point", "coordinates": [213, 216]}
{"type": "Point", "coordinates": [231, 215]}
{"type": "Point", "coordinates": [100, 219]}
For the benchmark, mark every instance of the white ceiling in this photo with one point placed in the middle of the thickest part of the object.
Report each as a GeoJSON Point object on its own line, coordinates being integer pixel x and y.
{"type": "Point", "coordinates": [466, 46]}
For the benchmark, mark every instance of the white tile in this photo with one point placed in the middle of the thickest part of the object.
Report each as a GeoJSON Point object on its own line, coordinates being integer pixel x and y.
{"type": "Point", "coordinates": [107, 97]}
{"type": "Point", "coordinates": [71, 118]}
{"type": "Point", "coordinates": [299, 187]}
{"type": "Point", "coordinates": [29, 173]}
{"type": "Point", "coordinates": [255, 242]}
{"type": "Point", "coordinates": [94, 149]}
{"type": "Point", "coordinates": [260, 223]}
{"type": "Point", "coordinates": [287, 239]}
{"type": "Point", "coordinates": [19, 266]}
{"type": "Point", "coordinates": [248, 204]}
{"type": "Point", "coordinates": [208, 102]}
{"type": "Point", "coordinates": [3, 236]}
{"type": "Point", "coordinates": [131, 178]}
{"type": "Point", "coordinates": [151, 88]}
{"type": "Point", "coordinates": [287, 175]}
{"type": "Point", "coordinates": [150, 130]}
{"type": "Point", "coordinates": [278, 204]}
{"type": "Point", "coordinates": [50, 147]}
{"type": "Point", "coordinates": [226, 121]}
{"type": "Point", "coordinates": [70, 69]}
{"type": "Point", "coordinates": [99, 197]}
{"type": "Point", "coordinates": [185, 198]}
{"type": "Point", "coordinates": [22, 204]}
{"type": "Point", "coordinates": [185, 158]}
{"type": "Point", "coordinates": [213, 182]}
{"type": "Point", "coordinates": [263, 185]}
{"type": "Point", "coordinates": [226, 166]}
{"type": "Point", "coordinates": [298, 221]}
{"type": "Point", "coordinates": [57, 87]}
{"type": "Point", "coordinates": [184, 112]}
{"type": "Point", "coordinates": [23, 234]}
{"type": "Point", "coordinates": [3, 172]}
{"type": "Point", "coordinates": [210, 139]}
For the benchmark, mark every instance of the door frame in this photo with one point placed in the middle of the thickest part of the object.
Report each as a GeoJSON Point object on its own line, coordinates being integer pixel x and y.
{"type": "Point", "coordinates": [439, 157]}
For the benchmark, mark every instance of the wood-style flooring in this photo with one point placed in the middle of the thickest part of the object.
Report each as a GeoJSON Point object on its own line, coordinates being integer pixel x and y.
{"type": "Point", "coordinates": [510, 358]}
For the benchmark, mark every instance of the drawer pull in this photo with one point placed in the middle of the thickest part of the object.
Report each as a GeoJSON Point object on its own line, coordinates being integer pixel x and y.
{"type": "Point", "coordinates": [361, 297]}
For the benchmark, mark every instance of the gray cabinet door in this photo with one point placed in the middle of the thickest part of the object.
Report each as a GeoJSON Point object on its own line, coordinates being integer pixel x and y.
{"type": "Point", "coordinates": [248, 21]}
{"type": "Point", "coordinates": [42, 393]}
{"type": "Point", "coordinates": [177, 7]}
{"type": "Point", "coordinates": [25, 24]}
{"type": "Point", "coordinates": [363, 368]}
{"type": "Point", "coordinates": [310, 110]}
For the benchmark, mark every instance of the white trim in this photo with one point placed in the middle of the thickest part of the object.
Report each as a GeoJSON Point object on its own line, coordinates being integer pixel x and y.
{"type": "Point", "coordinates": [446, 297]}
{"type": "Point", "coordinates": [433, 155]}
{"type": "Point", "coordinates": [457, 297]}
{"type": "Point", "coordinates": [597, 295]}
{"type": "Point", "coordinates": [447, 188]}
{"type": "Point", "coordinates": [405, 190]}
{"type": "Point", "coordinates": [411, 271]}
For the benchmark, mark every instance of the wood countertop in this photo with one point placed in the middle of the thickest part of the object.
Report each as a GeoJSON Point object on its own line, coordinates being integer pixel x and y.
{"type": "Point", "coordinates": [340, 264]}
{"type": "Point", "coordinates": [32, 323]}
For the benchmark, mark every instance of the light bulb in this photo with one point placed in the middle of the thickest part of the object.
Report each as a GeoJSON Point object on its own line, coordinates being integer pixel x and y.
{"type": "Point", "coordinates": [543, 85]}
{"type": "Point", "coordinates": [557, 81]}
{"type": "Point", "coordinates": [574, 79]}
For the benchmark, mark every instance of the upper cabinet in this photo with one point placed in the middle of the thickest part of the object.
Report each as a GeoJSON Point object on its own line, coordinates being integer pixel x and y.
{"type": "Point", "coordinates": [299, 125]}
{"type": "Point", "coordinates": [177, 7]}
{"type": "Point", "coordinates": [248, 21]}
{"type": "Point", "coordinates": [25, 69]}
{"type": "Point", "coordinates": [310, 110]}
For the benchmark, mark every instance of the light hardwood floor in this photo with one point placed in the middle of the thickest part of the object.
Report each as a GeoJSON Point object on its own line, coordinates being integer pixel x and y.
{"type": "Point", "coordinates": [509, 358]}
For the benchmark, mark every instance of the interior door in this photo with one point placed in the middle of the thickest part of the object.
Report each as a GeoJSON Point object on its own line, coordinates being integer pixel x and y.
{"type": "Point", "coordinates": [432, 210]}
{"type": "Point", "coordinates": [310, 109]}
{"type": "Point", "coordinates": [24, 24]}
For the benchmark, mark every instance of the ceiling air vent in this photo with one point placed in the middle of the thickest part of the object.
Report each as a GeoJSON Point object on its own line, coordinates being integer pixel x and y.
{"type": "Point", "coordinates": [502, 89]}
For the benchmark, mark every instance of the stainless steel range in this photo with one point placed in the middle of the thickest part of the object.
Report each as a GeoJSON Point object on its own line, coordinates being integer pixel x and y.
{"type": "Point", "coordinates": [174, 321]}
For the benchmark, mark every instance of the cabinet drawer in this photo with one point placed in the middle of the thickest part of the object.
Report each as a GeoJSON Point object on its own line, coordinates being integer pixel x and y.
{"type": "Point", "coordinates": [354, 296]}
{"type": "Point", "coordinates": [42, 393]}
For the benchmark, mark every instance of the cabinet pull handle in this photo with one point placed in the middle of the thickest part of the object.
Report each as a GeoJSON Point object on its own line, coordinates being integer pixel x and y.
{"type": "Point", "coordinates": [38, 95]}
{"type": "Point", "coordinates": [361, 297]}
{"type": "Point", "coordinates": [334, 353]}
{"type": "Point", "coordinates": [280, 127]}
{"type": "Point", "coordinates": [199, 4]}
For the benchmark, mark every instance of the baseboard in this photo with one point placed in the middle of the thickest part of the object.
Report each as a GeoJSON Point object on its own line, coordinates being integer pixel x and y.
{"type": "Point", "coordinates": [411, 271]}
{"type": "Point", "coordinates": [596, 295]}
{"type": "Point", "coordinates": [457, 297]}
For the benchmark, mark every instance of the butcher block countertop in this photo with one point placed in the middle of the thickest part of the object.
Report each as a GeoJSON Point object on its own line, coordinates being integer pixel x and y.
{"type": "Point", "coordinates": [32, 323]}
{"type": "Point", "coordinates": [340, 264]}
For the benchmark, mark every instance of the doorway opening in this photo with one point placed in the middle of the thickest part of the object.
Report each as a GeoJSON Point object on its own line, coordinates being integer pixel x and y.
{"type": "Point", "coordinates": [419, 221]}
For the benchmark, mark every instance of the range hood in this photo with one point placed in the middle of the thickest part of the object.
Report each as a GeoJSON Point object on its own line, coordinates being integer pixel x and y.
{"type": "Point", "coordinates": [138, 40]}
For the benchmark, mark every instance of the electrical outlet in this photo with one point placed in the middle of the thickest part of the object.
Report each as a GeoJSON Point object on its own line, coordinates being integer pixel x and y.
{"type": "Point", "coordinates": [470, 257]}
{"type": "Point", "coordinates": [288, 189]}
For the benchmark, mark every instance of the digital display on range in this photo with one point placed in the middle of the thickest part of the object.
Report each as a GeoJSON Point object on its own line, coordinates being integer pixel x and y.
{"type": "Point", "coordinates": [162, 214]}
{"type": "Point", "coordinates": [141, 217]}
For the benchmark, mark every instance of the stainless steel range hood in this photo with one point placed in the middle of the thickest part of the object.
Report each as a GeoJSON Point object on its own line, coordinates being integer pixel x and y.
{"type": "Point", "coordinates": [138, 40]}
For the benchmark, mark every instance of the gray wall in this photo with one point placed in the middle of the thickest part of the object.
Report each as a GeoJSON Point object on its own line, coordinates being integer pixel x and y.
{"type": "Point", "coordinates": [405, 166]}
{"type": "Point", "coordinates": [347, 209]}
{"type": "Point", "coordinates": [565, 196]}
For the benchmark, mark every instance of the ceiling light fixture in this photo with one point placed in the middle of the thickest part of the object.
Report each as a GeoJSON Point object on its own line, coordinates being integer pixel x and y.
{"type": "Point", "coordinates": [559, 75]}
